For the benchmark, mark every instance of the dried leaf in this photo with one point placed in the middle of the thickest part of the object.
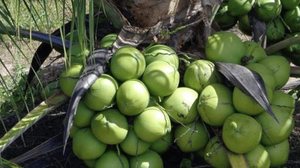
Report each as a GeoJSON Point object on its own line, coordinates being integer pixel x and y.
{"type": "Point", "coordinates": [259, 28]}
{"type": "Point", "coordinates": [50, 145]}
{"type": "Point", "coordinates": [96, 66]}
{"type": "Point", "coordinates": [247, 81]}
{"type": "Point", "coordinates": [291, 84]}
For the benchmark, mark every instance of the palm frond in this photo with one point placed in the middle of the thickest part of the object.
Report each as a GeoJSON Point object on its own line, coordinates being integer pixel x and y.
{"type": "Point", "coordinates": [32, 117]}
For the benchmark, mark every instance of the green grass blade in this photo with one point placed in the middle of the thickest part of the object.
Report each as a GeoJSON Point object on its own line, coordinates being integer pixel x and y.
{"type": "Point", "coordinates": [32, 117]}
{"type": "Point", "coordinates": [91, 25]}
{"type": "Point", "coordinates": [7, 164]}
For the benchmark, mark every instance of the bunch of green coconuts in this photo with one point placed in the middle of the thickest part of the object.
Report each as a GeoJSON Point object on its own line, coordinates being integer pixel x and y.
{"type": "Point", "coordinates": [282, 18]}
{"type": "Point", "coordinates": [144, 105]}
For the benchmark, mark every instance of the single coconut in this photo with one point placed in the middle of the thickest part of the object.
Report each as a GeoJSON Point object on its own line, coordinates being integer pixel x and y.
{"type": "Point", "coordinates": [191, 137]}
{"type": "Point", "coordinates": [258, 157]}
{"type": "Point", "coordinates": [163, 144]}
{"type": "Point", "coordinates": [223, 18]}
{"type": "Point", "coordinates": [254, 52]}
{"type": "Point", "coordinates": [199, 74]}
{"type": "Point", "coordinates": [291, 18]}
{"type": "Point", "coordinates": [267, 10]}
{"type": "Point", "coordinates": [240, 7]}
{"type": "Point", "coordinates": [275, 131]}
{"type": "Point", "coordinates": [241, 133]}
{"type": "Point", "coordinates": [90, 163]}
{"type": "Point", "coordinates": [110, 126]}
{"type": "Point", "coordinates": [215, 104]}
{"type": "Point", "coordinates": [132, 97]}
{"type": "Point", "coordinates": [244, 25]}
{"type": "Point", "coordinates": [283, 101]}
{"type": "Point", "coordinates": [279, 153]}
{"type": "Point", "coordinates": [69, 78]}
{"type": "Point", "coordinates": [181, 105]}
{"type": "Point", "coordinates": [152, 124]}
{"type": "Point", "coordinates": [289, 4]}
{"type": "Point", "coordinates": [108, 40]}
{"type": "Point", "coordinates": [161, 78]}
{"type": "Point", "coordinates": [83, 115]}
{"type": "Point", "coordinates": [280, 68]}
{"type": "Point", "coordinates": [244, 103]}
{"type": "Point", "coordinates": [215, 154]}
{"type": "Point", "coordinates": [275, 30]}
{"type": "Point", "coordinates": [127, 63]}
{"type": "Point", "coordinates": [149, 159]}
{"type": "Point", "coordinates": [111, 159]}
{"type": "Point", "coordinates": [219, 48]}
{"type": "Point", "coordinates": [102, 93]}
{"type": "Point", "coordinates": [161, 52]}
{"type": "Point", "coordinates": [86, 146]}
{"type": "Point", "coordinates": [133, 145]}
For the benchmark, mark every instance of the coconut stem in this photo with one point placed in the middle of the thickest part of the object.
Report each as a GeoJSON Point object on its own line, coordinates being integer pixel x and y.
{"type": "Point", "coordinates": [282, 44]}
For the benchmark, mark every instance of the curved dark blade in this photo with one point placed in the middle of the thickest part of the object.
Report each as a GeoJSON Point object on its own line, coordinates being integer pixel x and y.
{"type": "Point", "coordinates": [43, 52]}
{"type": "Point", "coordinates": [247, 81]}
{"type": "Point", "coordinates": [96, 65]}
{"type": "Point", "coordinates": [49, 145]}
{"type": "Point", "coordinates": [259, 28]}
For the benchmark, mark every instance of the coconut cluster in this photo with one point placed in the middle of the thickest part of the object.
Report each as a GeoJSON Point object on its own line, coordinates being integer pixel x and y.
{"type": "Point", "coordinates": [281, 18]}
{"type": "Point", "coordinates": [140, 108]}
{"type": "Point", "coordinates": [246, 128]}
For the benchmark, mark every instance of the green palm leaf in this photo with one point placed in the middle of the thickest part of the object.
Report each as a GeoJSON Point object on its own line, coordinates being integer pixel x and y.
{"type": "Point", "coordinates": [32, 117]}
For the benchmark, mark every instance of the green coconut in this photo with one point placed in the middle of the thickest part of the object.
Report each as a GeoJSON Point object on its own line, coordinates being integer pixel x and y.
{"type": "Point", "coordinates": [223, 18]}
{"type": "Point", "coordinates": [133, 145]}
{"type": "Point", "coordinates": [149, 159]}
{"type": "Point", "coordinates": [127, 63]}
{"type": "Point", "coordinates": [152, 124]}
{"type": "Point", "coordinates": [110, 126]}
{"type": "Point", "coordinates": [283, 102]}
{"type": "Point", "coordinates": [83, 115]}
{"type": "Point", "coordinates": [241, 133]}
{"type": "Point", "coordinates": [280, 68]}
{"type": "Point", "coordinates": [279, 153]}
{"type": "Point", "coordinates": [86, 146]}
{"type": "Point", "coordinates": [108, 40]}
{"type": "Point", "coordinates": [161, 78]}
{"type": "Point", "coordinates": [240, 7]}
{"type": "Point", "coordinates": [219, 48]}
{"type": "Point", "coordinates": [112, 159]}
{"type": "Point", "coordinates": [199, 74]}
{"type": "Point", "coordinates": [181, 105]}
{"type": "Point", "coordinates": [161, 52]}
{"type": "Point", "coordinates": [275, 131]}
{"type": "Point", "coordinates": [254, 52]}
{"type": "Point", "coordinates": [267, 10]}
{"type": "Point", "coordinates": [275, 30]}
{"type": "Point", "coordinates": [215, 104]}
{"type": "Point", "coordinates": [132, 97]}
{"type": "Point", "coordinates": [191, 137]}
{"type": "Point", "coordinates": [163, 144]}
{"type": "Point", "coordinates": [258, 157]}
{"type": "Point", "coordinates": [102, 93]}
{"type": "Point", "coordinates": [215, 154]}
{"type": "Point", "coordinates": [69, 78]}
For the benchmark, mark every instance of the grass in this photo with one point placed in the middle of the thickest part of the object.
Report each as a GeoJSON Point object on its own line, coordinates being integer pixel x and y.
{"type": "Point", "coordinates": [16, 53]}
